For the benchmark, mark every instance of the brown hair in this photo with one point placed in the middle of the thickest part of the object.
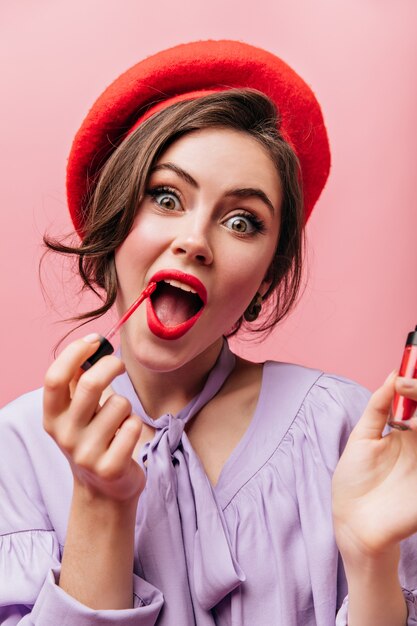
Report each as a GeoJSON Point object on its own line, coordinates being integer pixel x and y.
{"type": "Point", "coordinates": [120, 186]}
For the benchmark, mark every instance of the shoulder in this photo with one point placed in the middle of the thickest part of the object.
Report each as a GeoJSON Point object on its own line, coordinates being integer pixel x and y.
{"type": "Point", "coordinates": [22, 436]}
{"type": "Point", "coordinates": [315, 389]}
{"type": "Point", "coordinates": [22, 433]}
{"type": "Point", "coordinates": [300, 426]}
{"type": "Point", "coordinates": [21, 428]}
{"type": "Point", "coordinates": [320, 409]}
{"type": "Point", "coordinates": [23, 415]}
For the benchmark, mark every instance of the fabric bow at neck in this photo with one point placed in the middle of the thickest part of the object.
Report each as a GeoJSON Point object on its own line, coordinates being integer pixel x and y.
{"type": "Point", "coordinates": [179, 520]}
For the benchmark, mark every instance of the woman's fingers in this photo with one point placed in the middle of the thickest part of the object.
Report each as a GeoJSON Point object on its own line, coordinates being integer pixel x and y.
{"type": "Point", "coordinates": [71, 396]}
{"type": "Point", "coordinates": [113, 462]}
{"type": "Point", "coordinates": [90, 386]}
{"type": "Point", "coordinates": [406, 387]}
{"type": "Point", "coordinates": [96, 438]}
{"type": "Point", "coordinates": [57, 395]}
{"type": "Point", "coordinates": [98, 441]}
{"type": "Point", "coordinates": [70, 428]}
{"type": "Point", "coordinates": [374, 418]}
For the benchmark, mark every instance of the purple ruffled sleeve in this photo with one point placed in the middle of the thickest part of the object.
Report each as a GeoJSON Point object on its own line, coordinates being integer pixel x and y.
{"type": "Point", "coordinates": [53, 606]}
{"type": "Point", "coordinates": [35, 493]}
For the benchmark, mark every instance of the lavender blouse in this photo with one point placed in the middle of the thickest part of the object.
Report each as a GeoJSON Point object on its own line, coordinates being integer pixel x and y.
{"type": "Point", "coordinates": [257, 549]}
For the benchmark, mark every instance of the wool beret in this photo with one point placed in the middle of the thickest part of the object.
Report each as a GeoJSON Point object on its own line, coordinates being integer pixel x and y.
{"type": "Point", "coordinates": [187, 71]}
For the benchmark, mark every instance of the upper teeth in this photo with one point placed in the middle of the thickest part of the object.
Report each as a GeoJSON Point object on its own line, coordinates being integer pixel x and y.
{"type": "Point", "coordinates": [176, 283]}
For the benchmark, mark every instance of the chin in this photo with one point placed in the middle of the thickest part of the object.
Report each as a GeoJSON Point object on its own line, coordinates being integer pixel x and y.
{"type": "Point", "coordinates": [160, 355]}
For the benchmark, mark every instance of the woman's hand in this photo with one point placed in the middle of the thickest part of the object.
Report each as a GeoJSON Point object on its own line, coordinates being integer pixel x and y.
{"type": "Point", "coordinates": [98, 441]}
{"type": "Point", "coordinates": [374, 485]}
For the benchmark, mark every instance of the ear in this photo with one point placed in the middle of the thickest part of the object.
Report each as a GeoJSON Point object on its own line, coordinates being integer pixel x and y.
{"type": "Point", "coordinates": [264, 286]}
{"type": "Point", "coordinates": [266, 283]}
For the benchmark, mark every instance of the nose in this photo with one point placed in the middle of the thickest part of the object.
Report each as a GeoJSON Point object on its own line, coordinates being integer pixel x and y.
{"type": "Point", "coordinates": [193, 244]}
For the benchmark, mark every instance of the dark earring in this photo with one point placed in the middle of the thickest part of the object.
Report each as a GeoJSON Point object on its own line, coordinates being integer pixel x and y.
{"type": "Point", "coordinates": [254, 308]}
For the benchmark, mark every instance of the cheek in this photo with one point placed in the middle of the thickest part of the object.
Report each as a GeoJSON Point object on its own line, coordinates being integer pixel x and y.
{"type": "Point", "coordinates": [240, 287]}
{"type": "Point", "coordinates": [242, 277]}
{"type": "Point", "coordinates": [137, 251]}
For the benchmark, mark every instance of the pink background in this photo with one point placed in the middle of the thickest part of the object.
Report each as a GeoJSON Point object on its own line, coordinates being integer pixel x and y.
{"type": "Point", "coordinates": [360, 58]}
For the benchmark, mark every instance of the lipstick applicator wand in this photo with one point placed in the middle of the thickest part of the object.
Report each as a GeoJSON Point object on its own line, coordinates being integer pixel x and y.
{"type": "Point", "coordinates": [105, 346]}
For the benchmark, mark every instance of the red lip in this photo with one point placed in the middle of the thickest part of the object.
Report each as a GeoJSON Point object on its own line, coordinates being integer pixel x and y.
{"type": "Point", "coordinates": [174, 332]}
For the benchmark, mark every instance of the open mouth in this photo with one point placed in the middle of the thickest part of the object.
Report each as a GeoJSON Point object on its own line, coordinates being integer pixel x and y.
{"type": "Point", "coordinates": [175, 305]}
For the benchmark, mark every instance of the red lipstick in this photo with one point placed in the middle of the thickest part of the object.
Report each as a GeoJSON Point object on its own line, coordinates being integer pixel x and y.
{"type": "Point", "coordinates": [403, 409]}
{"type": "Point", "coordinates": [176, 331]}
{"type": "Point", "coordinates": [105, 346]}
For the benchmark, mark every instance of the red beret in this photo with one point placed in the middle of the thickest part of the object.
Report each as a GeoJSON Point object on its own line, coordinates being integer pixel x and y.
{"type": "Point", "coordinates": [190, 70]}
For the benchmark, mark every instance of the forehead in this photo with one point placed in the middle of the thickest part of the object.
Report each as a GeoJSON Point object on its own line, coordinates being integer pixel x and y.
{"type": "Point", "coordinates": [227, 158]}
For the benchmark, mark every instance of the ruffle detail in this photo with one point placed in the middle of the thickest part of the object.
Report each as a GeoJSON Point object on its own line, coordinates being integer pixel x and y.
{"type": "Point", "coordinates": [29, 571]}
{"type": "Point", "coordinates": [54, 606]}
{"type": "Point", "coordinates": [24, 558]}
{"type": "Point", "coordinates": [296, 478]}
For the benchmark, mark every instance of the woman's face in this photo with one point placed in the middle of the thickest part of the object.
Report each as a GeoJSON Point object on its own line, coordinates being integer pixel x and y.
{"type": "Point", "coordinates": [209, 223]}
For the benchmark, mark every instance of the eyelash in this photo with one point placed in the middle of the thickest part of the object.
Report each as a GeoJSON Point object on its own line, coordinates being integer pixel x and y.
{"type": "Point", "coordinates": [257, 224]}
{"type": "Point", "coordinates": [157, 191]}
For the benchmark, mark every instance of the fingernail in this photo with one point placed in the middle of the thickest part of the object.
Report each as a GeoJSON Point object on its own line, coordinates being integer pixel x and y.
{"type": "Point", "coordinates": [406, 383]}
{"type": "Point", "coordinates": [92, 338]}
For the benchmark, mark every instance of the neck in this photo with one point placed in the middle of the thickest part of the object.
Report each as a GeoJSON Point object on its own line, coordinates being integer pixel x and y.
{"type": "Point", "coordinates": [168, 392]}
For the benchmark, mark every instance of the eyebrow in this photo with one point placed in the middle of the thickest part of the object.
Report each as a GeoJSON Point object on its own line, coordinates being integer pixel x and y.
{"type": "Point", "coordinates": [246, 192]}
{"type": "Point", "coordinates": [180, 172]}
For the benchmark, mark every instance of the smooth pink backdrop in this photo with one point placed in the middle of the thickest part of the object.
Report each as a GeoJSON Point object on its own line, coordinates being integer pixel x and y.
{"type": "Point", "coordinates": [360, 58]}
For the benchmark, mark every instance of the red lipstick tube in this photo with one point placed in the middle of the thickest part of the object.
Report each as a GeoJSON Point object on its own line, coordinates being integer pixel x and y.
{"type": "Point", "coordinates": [403, 409]}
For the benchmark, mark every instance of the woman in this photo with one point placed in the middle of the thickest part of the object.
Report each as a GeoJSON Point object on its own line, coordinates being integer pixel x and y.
{"type": "Point", "coordinates": [181, 484]}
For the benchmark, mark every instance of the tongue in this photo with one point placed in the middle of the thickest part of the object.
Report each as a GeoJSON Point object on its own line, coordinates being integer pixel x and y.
{"type": "Point", "coordinates": [173, 306]}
